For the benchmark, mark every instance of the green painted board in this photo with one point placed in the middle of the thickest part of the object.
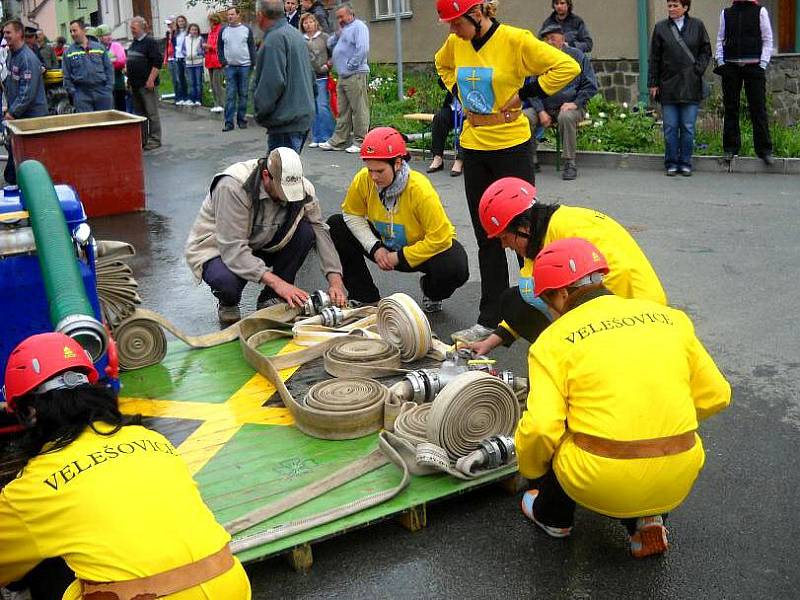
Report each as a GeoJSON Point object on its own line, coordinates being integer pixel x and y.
{"type": "Point", "coordinates": [244, 463]}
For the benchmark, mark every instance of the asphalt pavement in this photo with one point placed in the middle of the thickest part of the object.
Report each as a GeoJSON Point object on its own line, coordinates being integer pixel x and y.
{"type": "Point", "coordinates": [727, 249]}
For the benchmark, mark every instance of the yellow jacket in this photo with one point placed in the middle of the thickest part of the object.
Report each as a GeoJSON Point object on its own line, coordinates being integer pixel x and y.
{"type": "Point", "coordinates": [618, 369]}
{"type": "Point", "coordinates": [114, 507]}
{"type": "Point", "coordinates": [417, 227]}
{"type": "Point", "coordinates": [489, 78]}
{"type": "Point", "coordinates": [630, 273]}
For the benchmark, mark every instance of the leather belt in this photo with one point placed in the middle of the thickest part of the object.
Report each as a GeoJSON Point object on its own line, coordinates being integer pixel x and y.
{"type": "Point", "coordinates": [651, 448]}
{"type": "Point", "coordinates": [161, 584]}
{"type": "Point", "coordinates": [498, 118]}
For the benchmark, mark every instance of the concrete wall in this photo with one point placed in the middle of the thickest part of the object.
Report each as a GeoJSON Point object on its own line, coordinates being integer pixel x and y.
{"type": "Point", "coordinates": [613, 24]}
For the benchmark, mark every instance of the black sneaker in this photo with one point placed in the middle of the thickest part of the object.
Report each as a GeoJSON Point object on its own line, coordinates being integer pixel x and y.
{"type": "Point", "coordinates": [228, 127]}
{"type": "Point", "coordinates": [686, 171]}
{"type": "Point", "coordinates": [728, 157]}
{"type": "Point", "coordinates": [671, 172]}
{"type": "Point", "coordinates": [570, 172]}
{"type": "Point", "coordinates": [769, 160]}
{"type": "Point", "coordinates": [242, 125]}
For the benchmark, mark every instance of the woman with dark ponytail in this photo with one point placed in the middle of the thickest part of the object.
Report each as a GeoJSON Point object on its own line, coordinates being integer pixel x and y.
{"type": "Point", "coordinates": [110, 498]}
{"type": "Point", "coordinates": [510, 213]}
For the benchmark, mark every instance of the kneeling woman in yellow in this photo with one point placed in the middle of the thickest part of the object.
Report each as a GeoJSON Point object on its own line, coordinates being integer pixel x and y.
{"type": "Point", "coordinates": [393, 215]}
{"type": "Point", "coordinates": [510, 213]}
{"type": "Point", "coordinates": [618, 388]}
{"type": "Point", "coordinates": [112, 499]}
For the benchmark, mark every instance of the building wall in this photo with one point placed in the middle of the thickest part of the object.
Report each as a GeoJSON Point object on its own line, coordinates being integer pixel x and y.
{"type": "Point", "coordinates": [613, 24]}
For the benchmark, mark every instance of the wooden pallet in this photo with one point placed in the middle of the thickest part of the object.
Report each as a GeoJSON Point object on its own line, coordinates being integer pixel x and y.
{"type": "Point", "coordinates": [244, 452]}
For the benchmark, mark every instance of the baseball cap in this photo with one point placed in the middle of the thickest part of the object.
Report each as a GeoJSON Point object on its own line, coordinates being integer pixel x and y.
{"type": "Point", "coordinates": [550, 28]}
{"type": "Point", "coordinates": [103, 29]}
{"type": "Point", "coordinates": [285, 168]}
{"type": "Point", "coordinates": [169, 19]}
{"type": "Point", "coordinates": [29, 31]}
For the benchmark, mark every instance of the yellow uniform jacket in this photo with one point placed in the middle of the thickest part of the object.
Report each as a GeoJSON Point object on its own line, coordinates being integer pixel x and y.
{"type": "Point", "coordinates": [417, 227]}
{"type": "Point", "coordinates": [489, 78]}
{"type": "Point", "coordinates": [114, 507]}
{"type": "Point", "coordinates": [618, 369]}
{"type": "Point", "coordinates": [630, 273]}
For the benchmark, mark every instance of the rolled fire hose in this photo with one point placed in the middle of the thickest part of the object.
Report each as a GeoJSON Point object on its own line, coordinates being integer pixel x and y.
{"type": "Point", "coordinates": [70, 310]}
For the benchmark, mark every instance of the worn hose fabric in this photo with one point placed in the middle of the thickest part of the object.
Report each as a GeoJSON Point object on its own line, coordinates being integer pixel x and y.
{"type": "Point", "coordinates": [402, 323]}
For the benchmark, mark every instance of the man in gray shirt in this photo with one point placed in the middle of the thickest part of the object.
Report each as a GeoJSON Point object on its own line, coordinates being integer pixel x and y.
{"type": "Point", "coordinates": [258, 223]}
{"type": "Point", "coordinates": [237, 53]}
{"type": "Point", "coordinates": [284, 80]}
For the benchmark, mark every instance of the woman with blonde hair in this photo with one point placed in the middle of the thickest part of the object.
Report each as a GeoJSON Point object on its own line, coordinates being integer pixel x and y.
{"type": "Point", "coordinates": [317, 41]}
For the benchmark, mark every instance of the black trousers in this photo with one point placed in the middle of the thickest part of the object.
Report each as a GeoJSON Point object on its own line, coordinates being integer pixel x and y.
{"type": "Point", "coordinates": [754, 80]}
{"type": "Point", "coordinates": [10, 171]}
{"type": "Point", "coordinates": [443, 123]}
{"type": "Point", "coordinates": [443, 273]}
{"type": "Point", "coordinates": [528, 321]}
{"type": "Point", "coordinates": [553, 507]}
{"type": "Point", "coordinates": [46, 581]}
{"type": "Point", "coordinates": [481, 169]}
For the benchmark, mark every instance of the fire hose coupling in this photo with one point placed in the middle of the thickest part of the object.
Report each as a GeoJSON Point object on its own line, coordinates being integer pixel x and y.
{"type": "Point", "coordinates": [497, 451]}
{"type": "Point", "coordinates": [87, 331]}
{"type": "Point", "coordinates": [331, 316]}
{"type": "Point", "coordinates": [425, 384]}
{"type": "Point", "coordinates": [316, 302]}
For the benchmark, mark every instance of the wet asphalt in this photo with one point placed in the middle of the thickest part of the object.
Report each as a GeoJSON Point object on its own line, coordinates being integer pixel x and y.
{"type": "Point", "coordinates": [727, 249]}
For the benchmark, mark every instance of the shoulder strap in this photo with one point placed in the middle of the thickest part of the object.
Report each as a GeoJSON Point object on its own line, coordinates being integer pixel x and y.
{"type": "Point", "coordinates": [679, 38]}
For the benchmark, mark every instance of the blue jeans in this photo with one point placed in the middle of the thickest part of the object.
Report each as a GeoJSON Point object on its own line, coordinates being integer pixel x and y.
{"type": "Point", "coordinates": [322, 128]}
{"type": "Point", "coordinates": [177, 71]}
{"type": "Point", "coordinates": [237, 79]}
{"type": "Point", "coordinates": [195, 75]}
{"type": "Point", "coordinates": [292, 139]}
{"type": "Point", "coordinates": [679, 121]}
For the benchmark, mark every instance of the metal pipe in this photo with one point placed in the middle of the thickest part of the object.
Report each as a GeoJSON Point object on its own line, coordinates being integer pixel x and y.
{"type": "Point", "coordinates": [644, 31]}
{"type": "Point", "coordinates": [398, 42]}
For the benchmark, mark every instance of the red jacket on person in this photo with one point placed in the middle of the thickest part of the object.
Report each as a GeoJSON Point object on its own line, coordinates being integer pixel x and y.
{"type": "Point", "coordinates": [212, 58]}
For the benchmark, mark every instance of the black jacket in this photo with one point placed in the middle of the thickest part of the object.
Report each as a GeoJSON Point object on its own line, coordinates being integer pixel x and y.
{"type": "Point", "coordinates": [576, 33]}
{"type": "Point", "coordinates": [671, 70]}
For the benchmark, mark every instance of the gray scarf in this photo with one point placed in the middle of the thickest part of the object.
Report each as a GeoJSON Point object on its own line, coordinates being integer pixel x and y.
{"type": "Point", "coordinates": [390, 194]}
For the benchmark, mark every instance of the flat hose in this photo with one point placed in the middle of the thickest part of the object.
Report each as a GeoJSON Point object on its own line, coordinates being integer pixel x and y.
{"type": "Point", "coordinates": [402, 323]}
{"type": "Point", "coordinates": [70, 310]}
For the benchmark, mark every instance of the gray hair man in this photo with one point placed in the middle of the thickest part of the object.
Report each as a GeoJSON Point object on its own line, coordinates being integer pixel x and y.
{"type": "Point", "coordinates": [284, 85]}
{"type": "Point", "coordinates": [143, 62]}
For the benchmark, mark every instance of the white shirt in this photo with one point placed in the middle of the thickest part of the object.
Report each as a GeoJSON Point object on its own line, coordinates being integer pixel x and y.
{"type": "Point", "coordinates": [766, 38]}
{"type": "Point", "coordinates": [679, 22]}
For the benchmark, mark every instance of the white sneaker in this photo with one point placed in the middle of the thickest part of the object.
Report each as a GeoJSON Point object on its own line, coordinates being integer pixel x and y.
{"type": "Point", "coordinates": [314, 145]}
{"type": "Point", "coordinates": [476, 333]}
{"type": "Point", "coordinates": [182, 103]}
{"type": "Point", "coordinates": [353, 149]}
{"type": "Point", "coordinates": [217, 109]}
{"type": "Point", "coordinates": [327, 146]}
{"type": "Point", "coordinates": [197, 103]}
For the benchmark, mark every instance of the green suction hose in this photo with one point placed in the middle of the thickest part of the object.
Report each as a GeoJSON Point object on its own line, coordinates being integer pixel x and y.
{"type": "Point", "coordinates": [70, 310]}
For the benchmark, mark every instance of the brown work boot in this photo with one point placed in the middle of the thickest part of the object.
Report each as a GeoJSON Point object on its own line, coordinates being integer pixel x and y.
{"type": "Point", "coordinates": [228, 315]}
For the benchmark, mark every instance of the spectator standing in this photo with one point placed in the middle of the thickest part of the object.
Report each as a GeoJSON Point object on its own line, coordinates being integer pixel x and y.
{"type": "Point", "coordinates": [23, 86]}
{"type": "Point", "coordinates": [182, 86]}
{"type": "Point", "coordinates": [58, 49]}
{"type": "Point", "coordinates": [143, 62]}
{"type": "Point", "coordinates": [214, 66]}
{"type": "Point", "coordinates": [88, 73]}
{"type": "Point", "coordinates": [744, 49]}
{"type": "Point", "coordinates": [116, 54]}
{"type": "Point", "coordinates": [317, 41]}
{"type": "Point", "coordinates": [679, 55]}
{"type": "Point", "coordinates": [315, 7]}
{"type": "Point", "coordinates": [566, 107]}
{"type": "Point", "coordinates": [237, 52]}
{"type": "Point", "coordinates": [169, 54]}
{"type": "Point", "coordinates": [283, 94]}
{"type": "Point", "coordinates": [350, 45]}
{"type": "Point", "coordinates": [576, 33]}
{"type": "Point", "coordinates": [292, 13]}
{"type": "Point", "coordinates": [46, 52]}
{"type": "Point", "coordinates": [32, 41]}
{"type": "Point", "coordinates": [193, 53]}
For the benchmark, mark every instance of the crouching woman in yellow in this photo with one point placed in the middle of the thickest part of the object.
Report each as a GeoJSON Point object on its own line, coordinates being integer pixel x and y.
{"type": "Point", "coordinates": [617, 389]}
{"type": "Point", "coordinates": [112, 499]}
{"type": "Point", "coordinates": [393, 216]}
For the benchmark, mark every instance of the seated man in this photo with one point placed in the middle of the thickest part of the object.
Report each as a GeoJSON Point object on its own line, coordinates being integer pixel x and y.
{"type": "Point", "coordinates": [258, 223]}
{"type": "Point", "coordinates": [393, 215]}
{"type": "Point", "coordinates": [566, 107]}
{"type": "Point", "coordinates": [619, 387]}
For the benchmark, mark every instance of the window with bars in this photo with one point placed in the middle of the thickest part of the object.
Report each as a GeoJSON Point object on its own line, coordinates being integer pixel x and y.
{"type": "Point", "coordinates": [385, 9]}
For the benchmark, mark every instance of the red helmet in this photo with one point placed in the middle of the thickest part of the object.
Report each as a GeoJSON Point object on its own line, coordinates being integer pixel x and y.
{"type": "Point", "coordinates": [452, 9]}
{"type": "Point", "coordinates": [40, 358]}
{"type": "Point", "coordinates": [502, 201]}
{"type": "Point", "coordinates": [383, 143]}
{"type": "Point", "coordinates": [565, 262]}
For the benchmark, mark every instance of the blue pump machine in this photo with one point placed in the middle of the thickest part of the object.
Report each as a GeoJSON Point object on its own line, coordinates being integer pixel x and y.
{"type": "Point", "coordinates": [24, 309]}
